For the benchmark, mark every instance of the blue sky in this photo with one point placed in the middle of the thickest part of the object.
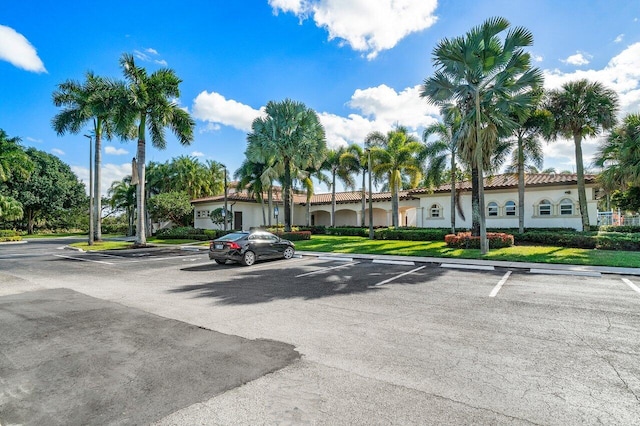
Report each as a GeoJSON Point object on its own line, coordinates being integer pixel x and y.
{"type": "Point", "coordinates": [358, 63]}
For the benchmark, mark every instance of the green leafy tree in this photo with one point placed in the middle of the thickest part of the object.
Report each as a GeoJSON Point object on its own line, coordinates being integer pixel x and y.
{"type": "Point", "coordinates": [218, 218]}
{"type": "Point", "coordinates": [287, 140]}
{"type": "Point", "coordinates": [14, 162]}
{"type": "Point", "coordinates": [249, 177]}
{"type": "Point", "coordinates": [51, 192]}
{"type": "Point", "coordinates": [148, 104]}
{"type": "Point", "coordinates": [619, 155]}
{"type": "Point", "coordinates": [488, 78]}
{"type": "Point", "coordinates": [90, 102]}
{"type": "Point", "coordinates": [396, 155]}
{"type": "Point", "coordinates": [582, 109]}
{"type": "Point", "coordinates": [627, 200]}
{"type": "Point", "coordinates": [10, 209]}
{"type": "Point", "coordinates": [171, 206]}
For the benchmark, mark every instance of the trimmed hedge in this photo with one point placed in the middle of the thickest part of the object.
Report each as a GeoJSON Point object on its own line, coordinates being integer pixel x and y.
{"type": "Point", "coordinates": [627, 242]}
{"type": "Point", "coordinates": [188, 233]}
{"type": "Point", "coordinates": [9, 235]}
{"type": "Point", "coordinates": [296, 235]}
{"type": "Point", "coordinates": [466, 241]}
{"type": "Point", "coordinates": [411, 234]}
{"type": "Point", "coordinates": [348, 231]}
{"type": "Point", "coordinates": [623, 228]}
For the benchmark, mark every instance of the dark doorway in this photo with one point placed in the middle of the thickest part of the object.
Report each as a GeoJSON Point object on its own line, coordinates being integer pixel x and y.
{"type": "Point", "coordinates": [237, 221]}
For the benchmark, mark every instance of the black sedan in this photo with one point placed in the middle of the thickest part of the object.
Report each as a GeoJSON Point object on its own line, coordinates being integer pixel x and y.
{"type": "Point", "coordinates": [248, 247]}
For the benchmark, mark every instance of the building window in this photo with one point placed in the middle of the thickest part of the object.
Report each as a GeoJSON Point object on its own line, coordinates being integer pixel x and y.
{"type": "Point", "coordinates": [492, 209]}
{"type": "Point", "coordinates": [566, 207]}
{"type": "Point", "coordinates": [510, 208]}
{"type": "Point", "coordinates": [202, 214]}
{"type": "Point", "coordinates": [544, 208]}
{"type": "Point", "coordinates": [435, 210]}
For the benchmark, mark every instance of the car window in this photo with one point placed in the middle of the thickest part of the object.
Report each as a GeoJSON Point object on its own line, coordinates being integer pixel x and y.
{"type": "Point", "coordinates": [235, 236]}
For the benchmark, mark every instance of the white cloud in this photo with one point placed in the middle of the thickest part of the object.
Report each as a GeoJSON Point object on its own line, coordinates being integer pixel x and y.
{"type": "Point", "coordinates": [151, 51]}
{"type": "Point", "coordinates": [115, 151]}
{"type": "Point", "coordinates": [619, 38]}
{"type": "Point", "coordinates": [381, 108]}
{"type": "Point", "coordinates": [34, 140]}
{"type": "Point", "coordinates": [580, 58]}
{"type": "Point", "coordinates": [16, 49]}
{"type": "Point", "coordinates": [367, 26]}
{"type": "Point", "coordinates": [537, 58]}
{"type": "Point", "coordinates": [57, 151]}
{"type": "Point", "coordinates": [161, 62]}
{"type": "Point", "coordinates": [621, 74]}
{"type": "Point", "coordinates": [197, 154]}
{"type": "Point", "coordinates": [216, 109]}
{"type": "Point", "coordinates": [147, 56]}
{"type": "Point", "coordinates": [110, 173]}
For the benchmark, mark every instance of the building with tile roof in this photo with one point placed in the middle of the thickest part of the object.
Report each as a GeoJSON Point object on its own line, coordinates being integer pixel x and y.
{"type": "Point", "coordinates": [551, 201]}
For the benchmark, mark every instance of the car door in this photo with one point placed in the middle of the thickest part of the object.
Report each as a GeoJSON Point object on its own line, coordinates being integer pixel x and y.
{"type": "Point", "coordinates": [278, 246]}
{"type": "Point", "coordinates": [259, 245]}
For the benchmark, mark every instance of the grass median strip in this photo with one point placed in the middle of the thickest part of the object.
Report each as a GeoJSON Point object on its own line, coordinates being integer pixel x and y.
{"type": "Point", "coordinates": [528, 253]}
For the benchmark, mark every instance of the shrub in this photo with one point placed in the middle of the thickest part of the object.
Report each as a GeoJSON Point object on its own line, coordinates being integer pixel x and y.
{"type": "Point", "coordinates": [563, 239]}
{"type": "Point", "coordinates": [466, 241]}
{"type": "Point", "coordinates": [411, 234]}
{"type": "Point", "coordinates": [348, 231]}
{"type": "Point", "coordinates": [623, 228]}
{"type": "Point", "coordinates": [630, 242]}
{"type": "Point", "coordinates": [9, 235]}
{"type": "Point", "coordinates": [296, 235]}
{"type": "Point", "coordinates": [315, 230]}
{"type": "Point", "coordinates": [186, 233]}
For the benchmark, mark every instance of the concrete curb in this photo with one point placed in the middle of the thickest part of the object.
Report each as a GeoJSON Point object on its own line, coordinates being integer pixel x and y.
{"type": "Point", "coordinates": [548, 267]}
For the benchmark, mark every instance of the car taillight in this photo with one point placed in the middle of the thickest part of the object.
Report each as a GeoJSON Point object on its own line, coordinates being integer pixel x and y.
{"type": "Point", "coordinates": [211, 245]}
{"type": "Point", "coordinates": [233, 246]}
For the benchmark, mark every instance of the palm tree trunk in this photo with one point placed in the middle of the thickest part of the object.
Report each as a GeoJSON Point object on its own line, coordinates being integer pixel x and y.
{"type": "Point", "coordinates": [582, 195]}
{"type": "Point", "coordinates": [270, 203]}
{"type": "Point", "coordinates": [286, 186]}
{"type": "Point", "coordinates": [141, 238]}
{"type": "Point", "coordinates": [520, 185]}
{"type": "Point", "coordinates": [333, 199]}
{"type": "Point", "coordinates": [97, 204]}
{"type": "Point", "coordinates": [394, 204]}
{"type": "Point", "coordinates": [484, 244]}
{"type": "Point", "coordinates": [475, 202]}
{"type": "Point", "coordinates": [264, 217]}
{"type": "Point", "coordinates": [364, 197]}
{"type": "Point", "coordinates": [453, 193]}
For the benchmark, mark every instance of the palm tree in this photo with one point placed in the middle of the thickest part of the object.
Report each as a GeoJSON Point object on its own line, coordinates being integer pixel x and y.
{"type": "Point", "coordinates": [528, 152]}
{"type": "Point", "coordinates": [396, 154]}
{"type": "Point", "coordinates": [249, 177]}
{"type": "Point", "coordinates": [446, 146]}
{"type": "Point", "coordinates": [488, 78]}
{"type": "Point", "coordinates": [14, 161]}
{"type": "Point", "coordinates": [122, 196]}
{"type": "Point", "coordinates": [10, 208]}
{"type": "Point", "coordinates": [337, 169]}
{"type": "Point", "coordinates": [619, 155]}
{"type": "Point", "coordinates": [356, 160]}
{"type": "Point", "coordinates": [148, 104]}
{"type": "Point", "coordinates": [91, 102]}
{"type": "Point", "coordinates": [582, 108]}
{"type": "Point", "coordinates": [289, 138]}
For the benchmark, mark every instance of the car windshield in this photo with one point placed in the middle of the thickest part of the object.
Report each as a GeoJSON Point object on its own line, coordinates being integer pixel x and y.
{"type": "Point", "coordinates": [233, 236]}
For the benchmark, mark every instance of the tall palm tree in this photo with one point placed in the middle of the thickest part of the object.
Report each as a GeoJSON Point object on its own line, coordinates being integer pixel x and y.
{"type": "Point", "coordinates": [147, 105]}
{"type": "Point", "coordinates": [582, 108]}
{"type": "Point", "coordinates": [528, 150]}
{"type": "Point", "coordinates": [488, 78]}
{"type": "Point", "coordinates": [294, 138]}
{"type": "Point", "coordinates": [356, 160]}
{"type": "Point", "coordinates": [122, 196]}
{"type": "Point", "coordinates": [249, 177]}
{"type": "Point", "coordinates": [396, 154]}
{"type": "Point", "coordinates": [14, 161]}
{"type": "Point", "coordinates": [337, 169]}
{"type": "Point", "coordinates": [445, 146]}
{"type": "Point", "coordinates": [90, 102]}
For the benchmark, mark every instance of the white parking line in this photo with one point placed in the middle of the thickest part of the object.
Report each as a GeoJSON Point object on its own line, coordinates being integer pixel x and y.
{"type": "Point", "coordinates": [498, 286]}
{"type": "Point", "coordinates": [632, 285]}
{"type": "Point", "coordinates": [318, 271]}
{"type": "Point", "coordinates": [84, 260]}
{"type": "Point", "coordinates": [393, 262]}
{"type": "Point", "coordinates": [400, 276]}
{"type": "Point", "coordinates": [461, 266]}
{"type": "Point", "coordinates": [336, 258]}
{"type": "Point", "coordinates": [565, 272]}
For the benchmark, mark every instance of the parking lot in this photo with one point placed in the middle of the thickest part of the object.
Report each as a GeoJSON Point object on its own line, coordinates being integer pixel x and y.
{"type": "Point", "coordinates": [381, 343]}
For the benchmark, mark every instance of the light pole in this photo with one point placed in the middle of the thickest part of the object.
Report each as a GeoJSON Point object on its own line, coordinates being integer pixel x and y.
{"type": "Point", "coordinates": [225, 198]}
{"type": "Point", "coordinates": [370, 197]}
{"type": "Point", "coordinates": [275, 214]}
{"type": "Point", "coordinates": [90, 189]}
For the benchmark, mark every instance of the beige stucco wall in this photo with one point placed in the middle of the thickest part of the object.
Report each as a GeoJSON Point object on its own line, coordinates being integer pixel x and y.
{"type": "Point", "coordinates": [533, 197]}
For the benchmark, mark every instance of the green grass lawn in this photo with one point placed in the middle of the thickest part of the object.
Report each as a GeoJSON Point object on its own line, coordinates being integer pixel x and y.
{"type": "Point", "coordinates": [537, 254]}
{"type": "Point", "coordinates": [121, 245]}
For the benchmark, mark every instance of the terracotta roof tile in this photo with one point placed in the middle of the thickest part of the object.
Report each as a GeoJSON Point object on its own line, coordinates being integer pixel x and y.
{"type": "Point", "coordinates": [511, 181]}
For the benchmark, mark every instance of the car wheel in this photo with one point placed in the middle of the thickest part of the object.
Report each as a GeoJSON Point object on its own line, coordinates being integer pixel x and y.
{"type": "Point", "coordinates": [288, 252]}
{"type": "Point", "coordinates": [220, 261]}
{"type": "Point", "coordinates": [248, 258]}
